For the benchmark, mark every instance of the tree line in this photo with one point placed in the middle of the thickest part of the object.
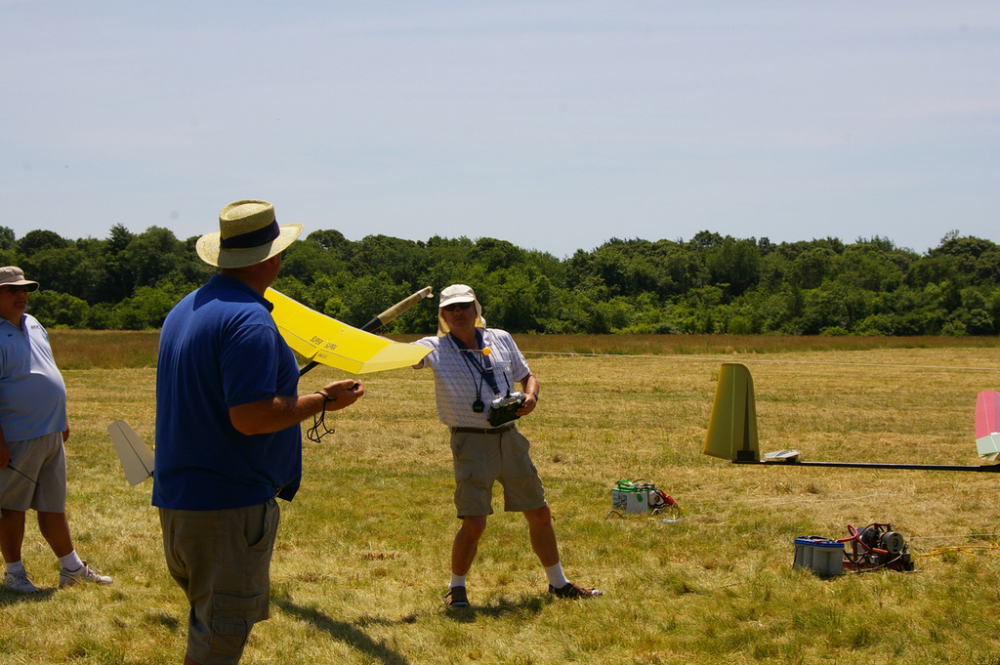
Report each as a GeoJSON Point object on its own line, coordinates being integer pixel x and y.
{"type": "Point", "coordinates": [708, 284]}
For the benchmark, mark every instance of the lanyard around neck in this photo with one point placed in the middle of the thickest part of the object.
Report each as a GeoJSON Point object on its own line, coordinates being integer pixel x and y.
{"type": "Point", "coordinates": [485, 368]}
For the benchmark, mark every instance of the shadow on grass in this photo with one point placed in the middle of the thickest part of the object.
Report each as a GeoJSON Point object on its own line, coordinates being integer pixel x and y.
{"type": "Point", "coordinates": [171, 623]}
{"type": "Point", "coordinates": [525, 607]}
{"type": "Point", "coordinates": [8, 597]}
{"type": "Point", "coordinates": [345, 632]}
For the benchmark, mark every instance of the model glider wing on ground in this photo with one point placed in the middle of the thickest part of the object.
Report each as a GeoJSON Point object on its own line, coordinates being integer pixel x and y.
{"type": "Point", "coordinates": [325, 340]}
{"type": "Point", "coordinates": [135, 455]}
{"type": "Point", "coordinates": [987, 428]}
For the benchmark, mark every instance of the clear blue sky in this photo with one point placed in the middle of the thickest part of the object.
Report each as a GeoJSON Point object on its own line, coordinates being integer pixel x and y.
{"type": "Point", "coordinates": [554, 125]}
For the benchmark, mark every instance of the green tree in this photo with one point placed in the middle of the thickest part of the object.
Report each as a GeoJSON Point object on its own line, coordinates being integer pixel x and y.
{"type": "Point", "coordinates": [7, 238]}
{"type": "Point", "coordinates": [58, 310]}
{"type": "Point", "coordinates": [735, 263]}
{"type": "Point", "coordinates": [36, 241]}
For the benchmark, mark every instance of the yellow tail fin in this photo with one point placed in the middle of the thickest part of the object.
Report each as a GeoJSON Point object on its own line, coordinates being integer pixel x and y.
{"type": "Point", "coordinates": [732, 427]}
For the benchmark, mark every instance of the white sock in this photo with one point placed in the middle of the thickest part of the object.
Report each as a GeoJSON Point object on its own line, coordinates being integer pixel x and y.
{"type": "Point", "coordinates": [15, 567]}
{"type": "Point", "coordinates": [71, 562]}
{"type": "Point", "coordinates": [557, 578]}
{"type": "Point", "coordinates": [456, 580]}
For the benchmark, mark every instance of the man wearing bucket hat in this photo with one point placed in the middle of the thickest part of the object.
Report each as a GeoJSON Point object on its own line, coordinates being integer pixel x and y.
{"type": "Point", "coordinates": [474, 366]}
{"type": "Point", "coordinates": [228, 440]}
{"type": "Point", "coordinates": [33, 430]}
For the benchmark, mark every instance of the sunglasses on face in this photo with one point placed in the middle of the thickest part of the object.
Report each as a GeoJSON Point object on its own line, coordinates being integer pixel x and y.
{"type": "Point", "coordinates": [16, 289]}
{"type": "Point", "coordinates": [457, 305]}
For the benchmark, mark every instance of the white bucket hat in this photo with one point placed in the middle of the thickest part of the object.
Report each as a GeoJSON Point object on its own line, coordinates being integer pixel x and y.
{"type": "Point", "coordinates": [458, 293]}
{"type": "Point", "coordinates": [248, 235]}
{"type": "Point", "coordinates": [14, 276]}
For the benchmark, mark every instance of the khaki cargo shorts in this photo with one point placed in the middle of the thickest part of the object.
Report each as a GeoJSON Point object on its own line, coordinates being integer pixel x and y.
{"type": "Point", "coordinates": [481, 459]}
{"type": "Point", "coordinates": [222, 560]}
{"type": "Point", "coordinates": [40, 480]}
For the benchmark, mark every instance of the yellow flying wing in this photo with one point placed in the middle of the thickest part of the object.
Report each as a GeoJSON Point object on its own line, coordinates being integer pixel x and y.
{"type": "Point", "coordinates": [325, 340]}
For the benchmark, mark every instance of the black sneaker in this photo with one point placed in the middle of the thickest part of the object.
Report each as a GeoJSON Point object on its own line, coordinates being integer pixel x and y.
{"type": "Point", "coordinates": [574, 591]}
{"type": "Point", "coordinates": [456, 597]}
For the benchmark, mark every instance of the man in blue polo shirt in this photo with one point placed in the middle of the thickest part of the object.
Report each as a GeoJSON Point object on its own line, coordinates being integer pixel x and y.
{"type": "Point", "coordinates": [228, 440]}
{"type": "Point", "coordinates": [33, 430]}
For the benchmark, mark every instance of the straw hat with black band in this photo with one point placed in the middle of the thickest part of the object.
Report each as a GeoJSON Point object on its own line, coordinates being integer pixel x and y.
{"type": "Point", "coordinates": [248, 234]}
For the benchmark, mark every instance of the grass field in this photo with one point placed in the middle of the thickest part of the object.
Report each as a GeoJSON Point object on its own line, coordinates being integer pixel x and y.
{"type": "Point", "coordinates": [361, 562]}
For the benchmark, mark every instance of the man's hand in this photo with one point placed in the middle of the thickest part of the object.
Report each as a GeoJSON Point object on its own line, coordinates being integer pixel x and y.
{"type": "Point", "coordinates": [277, 413]}
{"type": "Point", "coordinates": [343, 393]}
{"type": "Point", "coordinates": [4, 454]}
{"type": "Point", "coordinates": [65, 434]}
{"type": "Point", "coordinates": [529, 405]}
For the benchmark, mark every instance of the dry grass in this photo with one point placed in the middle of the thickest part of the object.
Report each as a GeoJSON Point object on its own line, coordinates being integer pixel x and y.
{"type": "Point", "coordinates": [362, 558]}
{"type": "Point", "coordinates": [90, 349]}
{"type": "Point", "coordinates": [105, 349]}
{"type": "Point", "coordinates": [740, 344]}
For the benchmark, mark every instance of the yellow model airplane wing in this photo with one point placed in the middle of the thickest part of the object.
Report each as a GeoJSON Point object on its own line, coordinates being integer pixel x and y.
{"type": "Point", "coordinates": [325, 340]}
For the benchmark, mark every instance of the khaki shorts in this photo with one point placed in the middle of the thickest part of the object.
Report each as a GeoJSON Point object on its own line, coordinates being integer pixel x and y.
{"type": "Point", "coordinates": [222, 560]}
{"type": "Point", "coordinates": [480, 459]}
{"type": "Point", "coordinates": [43, 461]}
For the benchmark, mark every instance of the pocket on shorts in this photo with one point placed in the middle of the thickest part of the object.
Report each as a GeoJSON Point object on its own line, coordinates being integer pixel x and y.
{"type": "Point", "coordinates": [232, 618]}
{"type": "Point", "coordinates": [259, 553]}
{"type": "Point", "coordinates": [519, 461]}
{"type": "Point", "coordinates": [457, 444]}
{"type": "Point", "coordinates": [268, 528]}
{"type": "Point", "coordinates": [462, 479]}
{"type": "Point", "coordinates": [231, 628]}
{"type": "Point", "coordinates": [472, 495]}
{"type": "Point", "coordinates": [463, 462]}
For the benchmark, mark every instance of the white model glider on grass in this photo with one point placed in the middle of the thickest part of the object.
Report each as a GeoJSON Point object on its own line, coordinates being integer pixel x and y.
{"type": "Point", "coordinates": [318, 338]}
{"type": "Point", "coordinates": [135, 455]}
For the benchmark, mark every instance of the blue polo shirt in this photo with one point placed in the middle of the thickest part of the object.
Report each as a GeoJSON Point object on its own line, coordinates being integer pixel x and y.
{"type": "Point", "coordinates": [32, 392]}
{"type": "Point", "coordinates": [220, 348]}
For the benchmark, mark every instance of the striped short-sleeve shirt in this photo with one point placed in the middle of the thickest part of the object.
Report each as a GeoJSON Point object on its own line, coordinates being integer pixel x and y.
{"type": "Point", "coordinates": [458, 382]}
